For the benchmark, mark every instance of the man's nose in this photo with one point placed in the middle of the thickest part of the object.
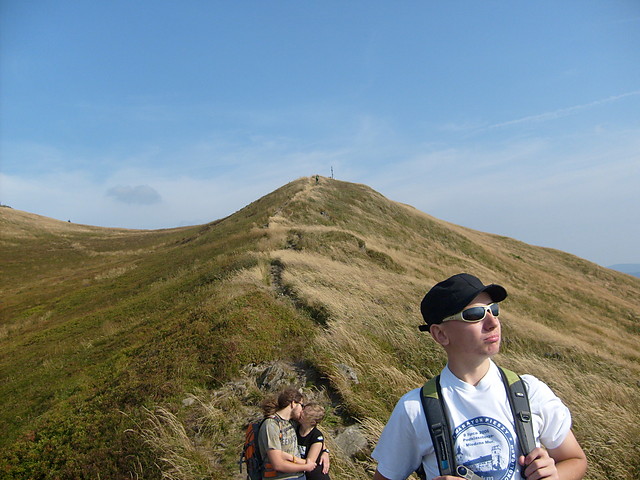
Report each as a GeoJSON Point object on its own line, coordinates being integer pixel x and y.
{"type": "Point", "coordinates": [490, 321]}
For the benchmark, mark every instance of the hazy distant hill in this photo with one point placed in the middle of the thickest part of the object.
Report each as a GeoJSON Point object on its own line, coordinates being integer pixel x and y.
{"type": "Point", "coordinates": [142, 354]}
{"type": "Point", "coordinates": [629, 268]}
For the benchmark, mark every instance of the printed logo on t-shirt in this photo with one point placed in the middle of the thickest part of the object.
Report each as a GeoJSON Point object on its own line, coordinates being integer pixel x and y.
{"type": "Point", "coordinates": [487, 447]}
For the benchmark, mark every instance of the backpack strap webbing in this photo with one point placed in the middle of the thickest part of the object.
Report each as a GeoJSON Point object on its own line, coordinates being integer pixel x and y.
{"type": "Point", "coordinates": [520, 408]}
{"type": "Point", "coordinates": [438, 423]}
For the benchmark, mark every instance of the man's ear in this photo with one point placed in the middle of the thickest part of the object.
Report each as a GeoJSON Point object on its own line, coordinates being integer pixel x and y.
{"type": "Point", "coordinates": [439, 334]}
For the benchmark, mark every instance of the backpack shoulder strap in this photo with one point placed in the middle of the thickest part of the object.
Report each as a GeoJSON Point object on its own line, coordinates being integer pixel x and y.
{"type": "Point", "coordinates": [520, 408]}
{"type": "Point", "coordinates": [439, 429]}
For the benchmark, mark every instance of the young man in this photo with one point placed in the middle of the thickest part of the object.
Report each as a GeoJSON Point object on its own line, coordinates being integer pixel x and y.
{"type": "Point", "coordinates": [462, 315]}
{"type": "Point", "coordinates": [277, 438]}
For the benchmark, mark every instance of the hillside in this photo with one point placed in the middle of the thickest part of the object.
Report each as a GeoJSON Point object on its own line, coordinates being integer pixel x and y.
{"type": "Point", "coordinates": [134, 354]}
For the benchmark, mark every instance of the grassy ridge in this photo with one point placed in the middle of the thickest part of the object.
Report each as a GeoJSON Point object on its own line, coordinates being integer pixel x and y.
{"type": "Point", "coordinates": [105, 331]}
{"type": "Point", "coordinates": [112, 326]}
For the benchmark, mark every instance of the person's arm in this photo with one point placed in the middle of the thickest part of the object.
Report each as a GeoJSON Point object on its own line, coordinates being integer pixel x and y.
{"type": "Point", "coordinates": [324, 461]}
{"type": "Point", "coordinates": [566, 462]}
{"type": "Point", "coordinates": [279, 461]}
{"type": "Point", "coordinates": [318, 451]}
{"type": "Point", "coordinates": [314, 451]}
{"type": "Point", "coordinates": [287, 457]}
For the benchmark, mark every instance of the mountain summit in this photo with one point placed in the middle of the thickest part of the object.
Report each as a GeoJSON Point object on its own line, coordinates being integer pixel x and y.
{"type": "Point", "coordinates": [133, 353]}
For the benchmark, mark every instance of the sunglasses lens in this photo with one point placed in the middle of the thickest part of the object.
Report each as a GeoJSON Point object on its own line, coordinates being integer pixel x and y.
{"type": "Point", "coordinates": [473, 314]}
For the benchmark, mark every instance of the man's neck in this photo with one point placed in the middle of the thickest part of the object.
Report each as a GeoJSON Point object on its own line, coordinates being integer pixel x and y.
{"type": "Point", "coordinates": [284, 414]}
{"type": "Point", "coordinates": [470, 372]}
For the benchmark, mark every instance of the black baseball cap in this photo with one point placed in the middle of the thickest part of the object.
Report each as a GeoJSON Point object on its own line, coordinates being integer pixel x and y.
{"type": "Point", "coordinates": [452, 295]}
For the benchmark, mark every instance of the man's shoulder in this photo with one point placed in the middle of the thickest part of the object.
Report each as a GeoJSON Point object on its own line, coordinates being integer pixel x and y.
{"type": "Point", "coordinates": [271, 422]}
{"type": "Point", "coordinates": [412, 395]}
{"type": "Point", "coordinates": [537, 390]}
{"type": "Point", "coordinates": [532, 382]}
{"type": "Point", "coordinates": [410, 403]}
{"type": "Point", "coordinates": [263, 423]}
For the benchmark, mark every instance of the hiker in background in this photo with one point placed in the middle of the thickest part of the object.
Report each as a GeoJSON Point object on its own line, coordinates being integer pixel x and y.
{"type": "Point", "coordinates": [277, 437]}
{"type": "Point", "coordinates": [311, 441]}
{"type": "Point", "coordinates": [462, 315]}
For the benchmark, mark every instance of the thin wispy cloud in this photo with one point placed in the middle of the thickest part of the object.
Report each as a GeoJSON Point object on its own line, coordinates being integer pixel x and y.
{"type": "Point", "coordinates": [561, 112]}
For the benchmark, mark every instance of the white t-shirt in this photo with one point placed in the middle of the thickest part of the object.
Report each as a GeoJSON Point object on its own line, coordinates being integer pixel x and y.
{"type": "Point", "coordinates": [480, 417]}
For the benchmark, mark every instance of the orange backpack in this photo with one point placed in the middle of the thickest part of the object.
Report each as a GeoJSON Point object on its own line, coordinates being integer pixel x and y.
{"type": "Point", "coordinates": [252, 457]}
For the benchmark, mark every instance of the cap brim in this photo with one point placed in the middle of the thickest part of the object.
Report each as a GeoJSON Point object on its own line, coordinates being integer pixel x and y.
{"type": "Point", "coordinates": [496, 292]}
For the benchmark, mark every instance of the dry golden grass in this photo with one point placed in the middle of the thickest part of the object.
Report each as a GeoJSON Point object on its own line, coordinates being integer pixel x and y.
{"type": "Point", "coordinates": [356, 266]}
{"type": "Point", "coordinates": [177, 457]}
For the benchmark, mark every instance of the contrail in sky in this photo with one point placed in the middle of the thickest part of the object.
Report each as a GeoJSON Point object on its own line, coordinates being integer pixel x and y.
{"type": "Point", "coordinates": [562, 112]}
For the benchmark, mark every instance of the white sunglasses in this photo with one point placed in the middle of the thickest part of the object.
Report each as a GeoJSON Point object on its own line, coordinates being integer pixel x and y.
{"type": "Point", "coordinates": [475, 314]}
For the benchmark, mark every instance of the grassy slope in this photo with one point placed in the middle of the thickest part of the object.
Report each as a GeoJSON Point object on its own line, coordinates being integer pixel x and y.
{"type": "Point", "coordinates": [570, 322]}
{"type": "Point", "coordinates": [98, 321]}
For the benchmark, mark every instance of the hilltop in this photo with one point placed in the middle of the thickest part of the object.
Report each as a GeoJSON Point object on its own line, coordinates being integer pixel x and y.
{"type": "Point", "coordinates": [135, 353]}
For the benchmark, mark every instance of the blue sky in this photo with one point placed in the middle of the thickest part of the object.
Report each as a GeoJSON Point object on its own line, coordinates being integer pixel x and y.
{"type": "Point", "coordinates": [510, 117]}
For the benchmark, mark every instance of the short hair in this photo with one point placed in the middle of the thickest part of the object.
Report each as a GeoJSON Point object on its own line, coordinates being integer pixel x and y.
{"type": "Point", "coordinates": [288, 395]}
